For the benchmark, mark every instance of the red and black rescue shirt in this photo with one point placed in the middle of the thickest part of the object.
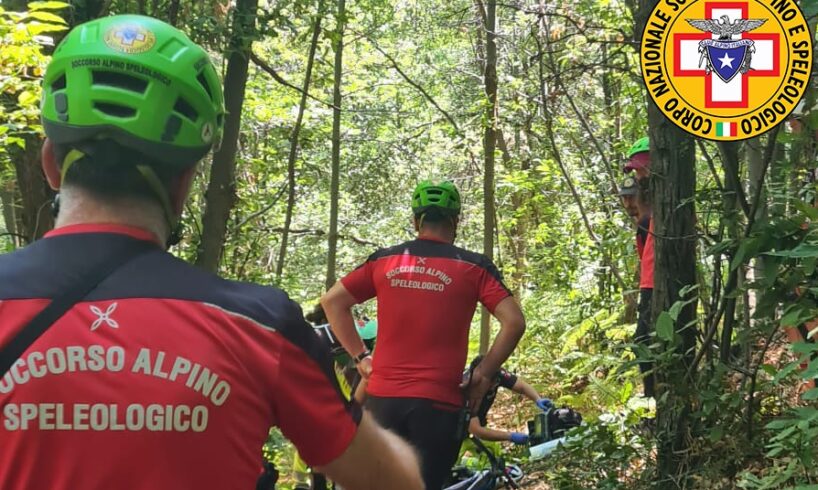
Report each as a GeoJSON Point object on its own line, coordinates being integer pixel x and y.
{"type": "Point", "coordinates": [642, 234]}
{"type": "Point", "coordinates": [647, 260]}
{"type": "Point", "coordinates": [427, 293]}
{"type": "Point", "coordinates": [164, 377]}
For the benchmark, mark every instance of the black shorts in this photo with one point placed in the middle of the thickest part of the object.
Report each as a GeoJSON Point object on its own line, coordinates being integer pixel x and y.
{"type": "Point", "coordinates": [434, 429]}
{"type": "Point", "coordinates": [643, 323]}
{"type": "Point", "coordinates": [643, 331]}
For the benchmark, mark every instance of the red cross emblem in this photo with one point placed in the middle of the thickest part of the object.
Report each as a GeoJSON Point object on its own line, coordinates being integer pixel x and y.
{"type": "Point", "coordinates": [717, 93]}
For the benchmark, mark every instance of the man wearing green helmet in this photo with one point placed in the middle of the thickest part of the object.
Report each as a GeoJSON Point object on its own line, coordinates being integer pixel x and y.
{"type": "Point", "coordinates": [427, 291]}
{"type": "Point", "coordinates": [121, 366]}
{"type": "Point", "coordinates": [639, 163]}
{"type": "Point", "coordinates": [639, 158]}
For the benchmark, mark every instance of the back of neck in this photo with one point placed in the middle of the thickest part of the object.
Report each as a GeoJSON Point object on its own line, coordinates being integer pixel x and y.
{"type": "Point", "coordinates": [78, 207]}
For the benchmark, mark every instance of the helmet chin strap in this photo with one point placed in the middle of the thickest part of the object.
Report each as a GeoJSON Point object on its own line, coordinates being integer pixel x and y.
{"type": "Point", "coordinates": [156, 185]}
{"type": "Point", "coordinates": [153, 182]}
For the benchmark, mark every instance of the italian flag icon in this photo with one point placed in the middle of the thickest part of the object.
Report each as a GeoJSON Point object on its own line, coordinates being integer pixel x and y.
{"type": "Point", "coordinates": [725, 129]}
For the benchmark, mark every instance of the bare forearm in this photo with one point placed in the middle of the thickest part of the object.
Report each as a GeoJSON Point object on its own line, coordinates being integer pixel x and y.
{"type": "Point", "coordinates": [376, 456]}
{"type": "Point", "coordinates": [526, 390]}
{"type": "Point", "coordinates": [360, 392]}
{"type": "Point", "coordinates": [512, 327]}
{"type": "Point", "coordinates": [343, 327]}
{"type": "Point", "coordinates": [502, 347]}
{"type": "Point", "coordinates": [486, 434]}
{"type": "Point", "coordinates": [337, 305]}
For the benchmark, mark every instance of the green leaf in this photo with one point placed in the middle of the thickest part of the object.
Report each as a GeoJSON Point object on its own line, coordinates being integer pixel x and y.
{"type": "Point", "coordinates": [801, 251]}
{"type": "Point", "coordinates": [808, 265]}
{"type": "Point", "coordinates": [720, 247]}
{"type": "Point", "coordinates": [810, 8]}
{"type": "Point", "coordinates": [810, 395]}
{"type": "Point", "coordinates": [810, 211]}
{"type": "Point", "coordinates": [626, 392]}
{"type": "Point", "coordinates": [675, 310]}
{"type": "Point", "coordinates": [769, 369]}
{"type": "Point", "coordinates": [785, 371]}
{"type": "Point", "coordinates": [780, 424]}
{"type": "Point", "coordinates": [27, 98]}
{"type": "Point", "coordinates": [804, 347]}
{"type": "Point", "coordinates": [32, 6]}
{"type": "Point", "coordinates": [46, 17]}
{"type": "Point", "coordinates": [664, 326]}
{"type": "Point", "coordinates": [795, 316]}
{"type": "Point", "coordinates": [738, 259]}
{"type": "Point", "coordinates": [716, 433]}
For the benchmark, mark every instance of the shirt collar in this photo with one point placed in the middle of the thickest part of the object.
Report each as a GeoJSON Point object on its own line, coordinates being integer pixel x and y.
{"type": "Point", "coordinates": [131, 231]}
{"type": "Point", "coordinates": [430, 238]}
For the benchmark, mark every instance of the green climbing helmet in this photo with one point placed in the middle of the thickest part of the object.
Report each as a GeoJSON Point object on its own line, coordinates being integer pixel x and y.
{"type": "Point", "coordinates": [443, 196]}
{"type": "Point", "coordinates": [138, 81]}
{"type": "Point", "coordinates": [641, 145]}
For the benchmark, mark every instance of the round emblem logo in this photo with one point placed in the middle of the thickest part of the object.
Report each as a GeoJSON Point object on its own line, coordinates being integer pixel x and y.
{"type": "Point", "coordinates": [130, 38]}
{"type": "Point", "coordinates": [726, 70]}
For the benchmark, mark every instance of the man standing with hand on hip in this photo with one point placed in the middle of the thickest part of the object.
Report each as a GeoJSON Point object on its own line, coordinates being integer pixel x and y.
{"type": "Point", "coordinates": [427, 291]}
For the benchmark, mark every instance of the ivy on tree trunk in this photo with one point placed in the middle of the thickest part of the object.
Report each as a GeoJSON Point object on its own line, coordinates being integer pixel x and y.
{"type": "Point", "coordinates": [332, 239]}
{"type": "Point", "coordinates": [221, 190]}
{"type": "Point", "coordinates": [673, 185]}
{"type": "Point", "coordinates": [288, 217]}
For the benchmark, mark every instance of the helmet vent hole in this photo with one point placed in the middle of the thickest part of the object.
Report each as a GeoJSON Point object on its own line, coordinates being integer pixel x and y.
{"type": "Point", "coordinates": [59, 83]}
{"type": "Point", "coordinates": [172, 127]}
{"type": "Point", "coordinates": [202, 80]}
{"type": "Point", "coordinates": [115, 110]}
{"type": "Point", "coordinates": [185, 109]}
{"type": "Point", "coordinates": [119, 80]}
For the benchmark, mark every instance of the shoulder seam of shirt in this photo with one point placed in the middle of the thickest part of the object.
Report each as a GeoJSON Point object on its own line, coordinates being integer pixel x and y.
{"type": "Point", "coordinates": [467, 256]}
{"type": "Point", "coordinates": [241, 316]}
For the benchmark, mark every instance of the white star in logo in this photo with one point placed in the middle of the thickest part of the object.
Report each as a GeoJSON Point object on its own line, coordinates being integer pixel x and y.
{"type": "Point", "coordinates": [104, 317]}
{"type": "Point", "coordinates": [726, 61]}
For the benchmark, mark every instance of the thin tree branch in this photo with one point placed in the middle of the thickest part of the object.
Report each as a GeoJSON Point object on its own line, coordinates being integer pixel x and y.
{"type": "Point", "coordinates": [588, 130]}
{"type": "Point", "coordinates": [710, 164]}
{"type": "Point", "coordinates": [414, 84]}
{"type": "Point", "coordinates": [16, 235]}
{"type": "Point", "coordinates": [768, 157]}
{"type": "Point", "coordinates": [321, 233]}
{"type": "Point", "coordinates": [548, 118]}
{"type": "Point", "coordinates": [263, 210]}
{"type": "Point", "coordinates": [264, 66]}
{"type": "Point", "coordinates": [302, 106]}
{"type": "Point", "coordinates": [733, 278]}
{"type": "Point", "coordinates": [733, 165]}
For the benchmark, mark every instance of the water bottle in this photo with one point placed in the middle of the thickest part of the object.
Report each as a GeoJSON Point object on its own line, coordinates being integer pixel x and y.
{"type": "Point", "coordinates": [542, 450]}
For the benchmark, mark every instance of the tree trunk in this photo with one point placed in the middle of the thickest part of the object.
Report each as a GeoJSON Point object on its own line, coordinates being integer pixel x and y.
{"type": "Point", "coordinates": [288, 218]}
{"type": "Point", "coordinates": [673, 184]}
{"type": "Point", "coordinates": [730, 215]}
{"type": "Point", "coordinates": [83, 11]}
{"type": "Point", "coordinates": [173, 18]}
{"type": "Point", "coordinates": [755, 166]}
{"type": "Point", "coordinates": [221, 190]}
{"type": "Point", "coordinates": [9, 221]}
{"type": "Point", "coordinates": [338, 45]}
{"type": "Point", "coordinates": [489, 145]}
{"type": "Point", "coordinates": [519, 232]}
